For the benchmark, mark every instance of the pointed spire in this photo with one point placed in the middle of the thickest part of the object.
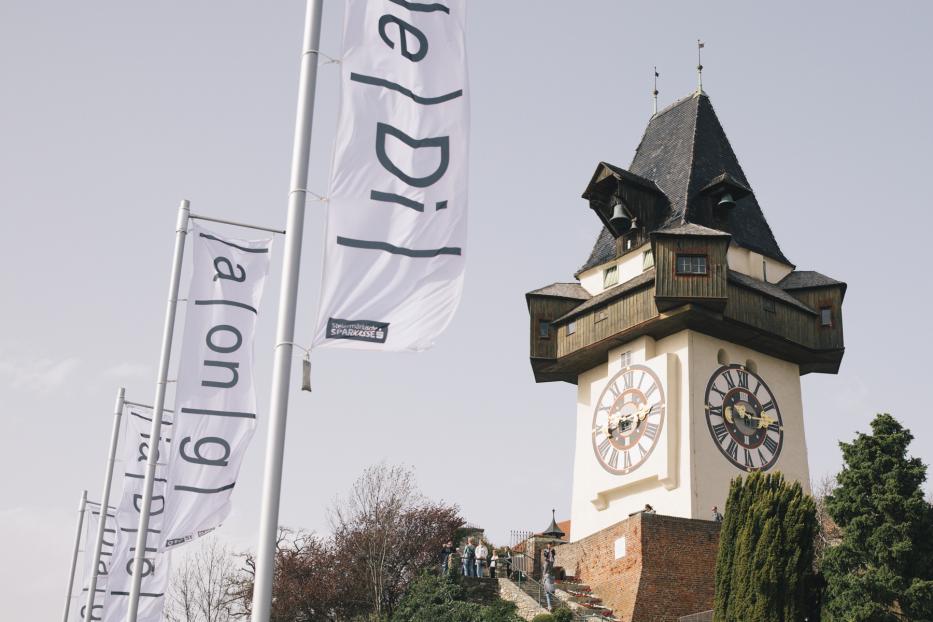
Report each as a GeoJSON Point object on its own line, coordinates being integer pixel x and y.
{"type": "Point", "coordinates": [656, 76]}
{"type": "Point", "coordinates": [553, 531]}
{"type": "Point", "coordinates": [700, 46]}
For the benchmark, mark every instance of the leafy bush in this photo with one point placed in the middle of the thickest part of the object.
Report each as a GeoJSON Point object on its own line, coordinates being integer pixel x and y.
{"type": "Point", "coordinates": [562, 615]}
{"type": "Point", "coordinates": [543, 617]}
{"type": "Point", "coordinates": [431, 598]}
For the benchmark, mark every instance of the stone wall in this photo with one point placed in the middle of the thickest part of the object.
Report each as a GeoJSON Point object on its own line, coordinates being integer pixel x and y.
{"type": "Point", "coordinates": [648, 567]}
{"type": "Point", "coordinates": [528, 608]}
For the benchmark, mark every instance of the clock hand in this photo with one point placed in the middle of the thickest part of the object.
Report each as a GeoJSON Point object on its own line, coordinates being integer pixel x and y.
{"type": "Point", "coordinates": [764, 420]}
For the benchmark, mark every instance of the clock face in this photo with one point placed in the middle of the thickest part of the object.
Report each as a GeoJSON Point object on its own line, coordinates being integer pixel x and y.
{"type": "Point", "coordinates": [743, 418]}
{"type": "Point", "coordinates": [628, 419]}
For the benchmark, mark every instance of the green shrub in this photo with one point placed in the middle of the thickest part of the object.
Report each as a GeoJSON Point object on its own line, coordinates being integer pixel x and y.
{"type": "Point", "coordinates": [543, 617]}
{"type": "Point", "coordinates": [562, 615]}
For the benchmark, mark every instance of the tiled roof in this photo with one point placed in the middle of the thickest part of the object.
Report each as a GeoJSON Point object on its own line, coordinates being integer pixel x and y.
{"type": "Point", "coordinates": [804, 279]}
{"type": "Point", "coordinates": [768, 289]}
{"type": "Point", "coordinates": [562, 290]}
{"type": "Point", "coordinates": [691, 229]}
{"type": "Point", "coordinates": [683, 150]}
{"type": "Point", "coordinates": [613, 292]}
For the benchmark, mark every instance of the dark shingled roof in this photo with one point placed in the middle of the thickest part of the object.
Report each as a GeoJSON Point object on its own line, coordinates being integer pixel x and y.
{"type": "Point", "coordinates": [805, 279]}
{"type": "Point", "coordinates": [562, 290]}
{"type": "Point", "coordinates": [768, 289]}
{"type": "Point", "coordinates": [690, 229]}
{"type": "Point", "coordinates": [644, 278]}
{"type": "Point", "coordinates": [683, 150]}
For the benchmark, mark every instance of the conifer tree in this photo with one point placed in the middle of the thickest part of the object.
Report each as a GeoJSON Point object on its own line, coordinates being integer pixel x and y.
{"type": "Point", "coordinates": [883, 568]}
{"type": "Point", "coordinates": [765, 551]}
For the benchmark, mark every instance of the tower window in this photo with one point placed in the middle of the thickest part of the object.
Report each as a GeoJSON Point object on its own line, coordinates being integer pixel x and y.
{"type": "Point", "coordinates": [610, 276]}
{"type": "Point", "coordinates": [826, 316]}
{"type": "Point", "coordinates": [571, 328]}
{"type": "Point", "coordinates": [768, 305]}
{"type": "Point", "coordinates": [647, 260]}
{"type": "Point", "coordinates": [691, 264]}
{"type": "Point", "coordinates": [544, 329]}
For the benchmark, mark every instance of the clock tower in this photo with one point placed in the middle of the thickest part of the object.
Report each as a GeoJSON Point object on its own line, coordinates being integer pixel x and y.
{"type": "Point", "coordinates": [686, 331]}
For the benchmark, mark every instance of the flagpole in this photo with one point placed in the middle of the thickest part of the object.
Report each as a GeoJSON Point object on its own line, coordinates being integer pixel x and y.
{"type": "Point", "coordinates": [74, 556]}
{"type": "Point", "coordinates": [155, 433]}
{"type": "Point", "coordinates": [285, 331]}
{"type": "Point", "coordinates": [105, 504]}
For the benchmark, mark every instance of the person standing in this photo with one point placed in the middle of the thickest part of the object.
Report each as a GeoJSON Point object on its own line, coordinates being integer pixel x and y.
{"type": "Point", "coordinates": [446, 552]}
{"type": "Point", "coordinates": [469, 559]}
{"type": "Point", "coordinates": [549, 556]}
{"type": "Point", "coordinates": [505, 562]}
{"type": "Point", "coordinates": [648, 509]}
{"type": "Point", "coordinates": [549, 589]}
{"type": "Point", "coordinates": [493, 564]}
{"type": "Point", "coordinates": [717, 517]}
{"type": "Point", "coordinates": [481, 554]}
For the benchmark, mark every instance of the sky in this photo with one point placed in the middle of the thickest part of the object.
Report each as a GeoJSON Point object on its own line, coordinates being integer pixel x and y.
{"type": "Point", "coordinates": [112, 112]}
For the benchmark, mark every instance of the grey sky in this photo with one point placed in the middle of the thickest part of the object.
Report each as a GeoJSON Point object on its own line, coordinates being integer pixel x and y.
{"type": "Point", "coordinates": [111, 112]}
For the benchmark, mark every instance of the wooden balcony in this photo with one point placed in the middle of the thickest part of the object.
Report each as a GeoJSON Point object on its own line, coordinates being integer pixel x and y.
{"type": "Point", "coordinates": [787, 324]}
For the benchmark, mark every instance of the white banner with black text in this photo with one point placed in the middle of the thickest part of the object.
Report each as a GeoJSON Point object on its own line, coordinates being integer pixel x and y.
{"type": "Point", "coordinates": [215, 400]}
{"type": "Point", "coordinates": [78, 608]}
{"type": "Point", "coordinates": [396, 219]}
{"type": "Point", "coordinates": [137, 444]}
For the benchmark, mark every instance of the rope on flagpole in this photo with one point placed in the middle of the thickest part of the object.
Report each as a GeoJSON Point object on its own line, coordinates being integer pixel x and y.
{"type": "Point", "coordinates": [330, 59]}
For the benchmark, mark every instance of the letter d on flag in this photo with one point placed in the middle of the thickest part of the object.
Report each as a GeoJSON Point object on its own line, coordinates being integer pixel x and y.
{"type": "Point", "coordinates": [396, 219]}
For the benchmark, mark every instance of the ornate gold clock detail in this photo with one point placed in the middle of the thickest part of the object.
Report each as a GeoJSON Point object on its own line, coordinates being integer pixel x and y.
{"type": "Point", "coordinates": [743, 418]}
{"type": "Point", "coordinates": [628, 419]}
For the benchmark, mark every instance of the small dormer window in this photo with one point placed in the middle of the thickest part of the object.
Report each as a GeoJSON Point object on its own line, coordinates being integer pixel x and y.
{"type": "Point", "coordinates": [826, 317]}
{"type": "Point", "coordinates": [647, 260]}
{"type": "Point", "coordinates": [691, 264]}
{"type": "Point", "coordinates": [610, 276]}
{"type": "Point", "coordinates": [571, 328]}
{"type": "Point", "coordinates": [544, 329]}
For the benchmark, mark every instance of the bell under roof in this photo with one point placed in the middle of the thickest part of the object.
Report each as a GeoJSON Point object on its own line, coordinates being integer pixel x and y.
{"type": "Point", "coordinates": [683, 151]}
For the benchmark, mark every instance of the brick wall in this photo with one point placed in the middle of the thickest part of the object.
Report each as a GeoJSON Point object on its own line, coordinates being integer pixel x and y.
{"type": "Point", "coordinates": [667, 570]}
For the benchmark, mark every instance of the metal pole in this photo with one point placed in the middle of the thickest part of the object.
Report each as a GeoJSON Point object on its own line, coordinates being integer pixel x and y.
{"type": "Point", "coordinates": [104, 504]}
{"type": "Point", "coordinates": [235, 223]}
{"type": "Point", "coordinates": [285, 331]}
{"type": "Point", "coordinates": [155, 432]}
{"type": "Point", "coordinates": [74, 556]}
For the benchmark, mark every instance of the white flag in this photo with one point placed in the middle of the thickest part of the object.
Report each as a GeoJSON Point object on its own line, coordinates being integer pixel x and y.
{"type": "Point", "coordinates": [136, 447]}
{"type": "Point", "coordinates": [396, 220]}
{"type": "Point", "coordinates": [79, 600]}
{"type": "Point", "coordinates": [215, 401]}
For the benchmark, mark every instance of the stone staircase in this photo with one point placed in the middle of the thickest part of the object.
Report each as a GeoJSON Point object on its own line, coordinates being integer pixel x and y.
{"type": "Point", "coordinates": [581, 600]}
{"type": "Point", "coordinates": [572, 595]}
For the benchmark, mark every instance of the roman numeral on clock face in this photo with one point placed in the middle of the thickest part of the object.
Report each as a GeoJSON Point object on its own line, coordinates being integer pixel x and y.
{"type": "Point", "coordinates": [729, 381]}
{"type": "Point", "coordinates": [627, 460]}
{"type": "Point", "coordinates": [743, 378]}
{"type": "Point", "coordinates": [629, 379]}
{"type": "Point", "coordinates": [749, 462]}
{"type": "Point", "coordinates": [733, 449]}
{"type": "Point", "coordinates": [614, 459]}
{"type": "Point", "coordinates": [720, 431]}
{"type": "Point", "coordinates": [651, 390]}
{"type": "Point", "coordinates": [770, 444]}
{"type": "Point", "coordinates": [604, 448]}
{"type": "Point", "coordinates": [651, 431]}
